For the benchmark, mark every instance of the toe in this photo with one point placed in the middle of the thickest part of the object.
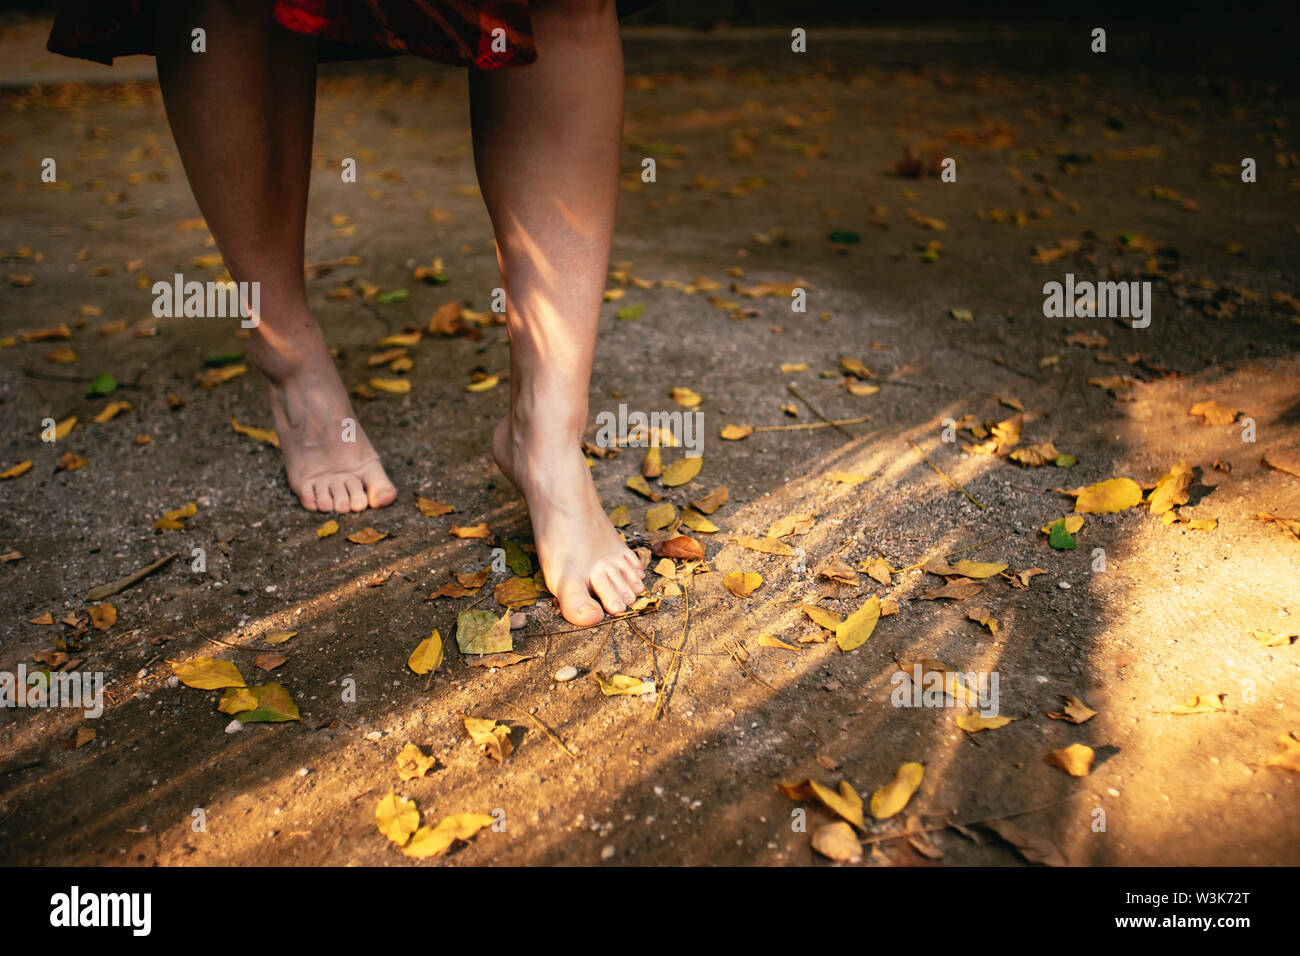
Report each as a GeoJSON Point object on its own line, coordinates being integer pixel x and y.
{"type": "Point", "coordinates": [324, 500]}
{"type": "Point", "coordinates": [307, 495]}
{"type": "Point", "coordinates": [634, 580]}
{"type": "Point", "coordinates": [577, 606]}
{"type": "Point", "coordinates": [356, 493]}
{"type": "Point", "coordinates": [610, 590]}
{"type": "Point", "coordinates": [339, 492]}
{"type": "Point", "coordinates": [632, 570]}
{"type": "Point", "coordinates": [379, 490]}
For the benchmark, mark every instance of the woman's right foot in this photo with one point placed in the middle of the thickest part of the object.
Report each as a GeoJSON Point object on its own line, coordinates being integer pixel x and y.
{"type": "Point", "coordinates": [328, 459]}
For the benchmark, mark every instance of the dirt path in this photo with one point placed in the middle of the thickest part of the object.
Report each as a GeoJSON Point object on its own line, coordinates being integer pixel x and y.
{"type": "Point", "coordinates": [755, 171]}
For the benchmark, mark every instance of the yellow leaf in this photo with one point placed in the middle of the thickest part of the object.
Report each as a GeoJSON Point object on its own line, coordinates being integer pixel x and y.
{"type": "Point", "coordinates": [103, 616]}
{"type": "Point", "coordinates": [397, 818]}
{"type": "Point", "coordinates": [836, 841]}
{"type": "Point", "coordinates": [1171, 490]}
{"type": "Point", "coordinates": [765, 546]}
{"type": "Point", "coordinates": [696, 521]}
{"type": "Point", "coordinates": [278, 637]}
{"type": "Point", "coordinates": [791, 524]}
{"type": "Point", "coordinates": [471, 531]}
{"type": "Point", "coordinates": [711, 502]}
{"type": "Point", "coordinates": [877, 569]}
{"type": "Point", "coordinates": [393, 386]}
{"type": "Point", "coordinates": [845, 801]}
{"type": "Point", "coordinates": [660, 516]}
{"type": "Point", "coordinates": [767, 640]}
{"type": "Point", "coordinates": [1212, 413]}
{"type": "Point", "coordinates": [435, 841]}
{"type": "Point", "coordinates": [893, 796]}
{"type": "Point", "coordinates": [62, 428]}
{"type": "Point", "coordinates": [685, 397]}
{"type": "Point", "coordinates": [1075, 711]}
{"type": "Point", "coordinates": [819, 615]}
{"type": "Point", "coordinates": [974, 723]}
{"type": "Point", "coordinates": [741, 583]}
{"type": "Point", "coordinates": [622, 684]}
{"type": "Point", "coordinates": [652, 466]}
{"type": "Point", "coordinates": [620, 517]}
{"type": "Point", "coordinates": [404, 340]}
{"type": "Point", "coordinates": [413, 764]}
{"type": "Point", "coordinates": [484, 384]}
{"type": "Point", "coordinates": [111, 411]}
{"type": "Point", "coordinates": [1035, 455]}
{"type": "Point", "coordinates": [1289, 758]}
{"type": "Point", "coordinates": [977, 569]}
{"type": "Point", "coordinates": [367, 535]}
{"type": "Point", "coordinates": [1076, 759]}
{"type": "Point", "coordinates": [736, 432]}
{"type": "Point", "coordinates": [266, 436]}
{"type": "Point", "coordinates": [207, 673]}
{"type": "Point", "coordinates": [328, 528]}
{"type": "Point", "coordinates": [1200, 704]}
{"type": "Point", "coordinates": [19, 469]}
{"type": "Point", "coordinates": [428, 655]}
{"type": "Point", "coordinates": [681, 471]}
{"type": "Point", "coordinates": [854, 630]}
{"type": "Point", "coordinates": [1072, 524]}
{"type": "Point", "coordinates": [517, 592]}
{"type": "Point", "coordinates": [494, 738]}
{"type": "Point", "coordinates": [1108, 497]}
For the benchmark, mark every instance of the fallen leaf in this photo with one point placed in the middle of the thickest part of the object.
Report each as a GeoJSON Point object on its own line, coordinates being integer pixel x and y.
{"type": "Point", "coordinates": [837, 841]}
{"type": "Point", "coordinates": [893, 796]}
{"type": "Point", "coordinates": [767, 640]}
{"type": "Point", "coordinates": [427, 654]}
{"type": "Point", "coordinates": [1033, 848]}
{"type": "Point", "coordinates": [482, 632]}
{"type": "Point", "coordinates": [470, 531]}
{"type": "Point", "coordinates": [1075, 711]}
{"type": "Point", "coordinates": [767, 546]}
{"type": "Point", "coordinates": [974, 723]}
{"type": "Point", "coordinates": [328, 528]}
{"type": "Point", "coordinates": [517, 592]}
{"type": "Point", "coordinates": [1170, 490]}
{"type": "Point", "coordinates": [493, 737]}
{"type": "Point", "coordinates": [278, 637]}
{"type": "Point", "coordinates": [844, 801]}
{"type": "Point", "coordinates": [736, 432]}
{"type": "Point", "coordinates": [269, 662]}
{"type": "Point", "coordinates": [741, 583]}
{"type": "Point", "coordinates": [660, 516]}
{"type": "Point", "coordinates": [712, 501]}
{"type": "Point", "coordinates": [431, 508]}
{"type": "Point", "coordinates": [622, 684]}
{"type": "Point", "coordinates": [268, 703]}
{"type": "Point", "coordinates": [367, 535]}
{"type": "Point", "coordinates": [1108, 497]}
{"type": "Point", "coordinates": [1076, 759]}
{"type": "Point", "coordinates": [1289, 758]}
{"type": "Point", "coordinates": [791, 524]}
{"type": "Point", "coordinates": [207, 673]}
{"type": "Point", "coordinates": [1212, 413]}
{"type": "Point", "coordinates": [1201, 704]}
{"type": "Point", "coordinates": [681, 471]}
{"type": "Point", "coordinates": [434, 842]}
{"type": "Point", "coordinates": [103, 616]}
{"type": "Point", "coordinates": [413, 764]}
{"type": "Point", "coordinates": [821, 616]}
{"type": "Point", "coordinates": [854, 630]}
{"type": "Point", "coordinates": [397, 818]}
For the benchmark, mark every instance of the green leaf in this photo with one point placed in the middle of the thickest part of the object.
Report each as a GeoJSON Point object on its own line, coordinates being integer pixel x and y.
{"type": "Point", "coordinates": [482, 632]}
{"type": "Point", "coordinates": [1059, 538]}
{"type": "Point", "coordinates": [103, 384]}
{"type": "Point", "coordinates": [631, 311]}
{"type": "Point", "coordinates": [395, 295]}
{"type": "Point", "coordinates": [1065, 461]}
{"type": "Point", "coordinates": [224, 358]}
{"type": "Point", "coordinates": [517, 560]}
{"type": "Point", "coordinates": [844, 238]}
{"type": "Point", "coordinates": [269, 703]}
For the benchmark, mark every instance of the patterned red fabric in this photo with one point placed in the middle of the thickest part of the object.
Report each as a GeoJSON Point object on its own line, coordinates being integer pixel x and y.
{"type": "Point", "coordinates": [450, 31]}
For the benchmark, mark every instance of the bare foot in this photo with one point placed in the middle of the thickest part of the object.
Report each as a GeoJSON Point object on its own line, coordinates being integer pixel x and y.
{"type": "Point", "coordinates": [331, 465]}
{"type": "Point", "coordinates": [580, 552]}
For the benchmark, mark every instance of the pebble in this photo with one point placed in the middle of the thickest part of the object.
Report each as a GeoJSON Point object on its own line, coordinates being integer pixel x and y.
{"type": "Point", "coordinates": [567, 672]}
{"type": "Point", "coordinates": [518, 620]}
{"type": "Point", "coordinates": [234, 727]}
{"type": "Point", "coordinates": [375, 735]}
{"type": "Point", "coordinates": [1063, 585]}
{"type": "Point", "coordinates": [608, 852]}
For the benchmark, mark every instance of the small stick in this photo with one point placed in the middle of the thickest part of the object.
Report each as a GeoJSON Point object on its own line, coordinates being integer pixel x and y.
{"type": "Point", "coordinates": [608, 631]}
{"type": "Point", "coordinates": [612, 619]}
{"type": "Point", "coordinates": [554, 739]}
{"type": "Point", "coordinates": [803, 425]}
{"type": "Point", "coordinates": [942, 472]}
{"type": "Point", "coordinates": [121, 584]}
{"type": "Point", "coordinates": [980, 544]}
{"type": "Point", "coordinates": [736, 657]}
{"type": "Point", "coordinates": [676, 658]}
{"type": "Point", "coordinates": [791, 390]}
{"type": "Point", "coordinates": [885, 838]}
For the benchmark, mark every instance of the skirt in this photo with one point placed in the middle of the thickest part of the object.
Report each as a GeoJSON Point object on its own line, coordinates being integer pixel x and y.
{"type": "Point", "coordinates": [458, 32]}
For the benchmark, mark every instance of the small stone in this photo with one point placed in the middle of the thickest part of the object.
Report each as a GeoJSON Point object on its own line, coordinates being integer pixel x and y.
{"type": "Point", "coordinates": [375, 735]}
{"type": "Point", "coordinates": [567, 672]}
{"type": "Point", "coordinates": [608, 852]}
{"type": "Point", "coordinates": [302, 772]}
{"type": "Point", "coordinates": [518, 620]}
{"type": "Point", "coordinates": [1063, 585]}
{"type": "Point", "coordinates": [234, 727]}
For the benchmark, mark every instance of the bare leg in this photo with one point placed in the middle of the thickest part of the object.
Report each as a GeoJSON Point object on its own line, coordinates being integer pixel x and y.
{"type": "Point", "coordinates": [242, 117]}
{"type": "Point", "coordinates": [546, 146]}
